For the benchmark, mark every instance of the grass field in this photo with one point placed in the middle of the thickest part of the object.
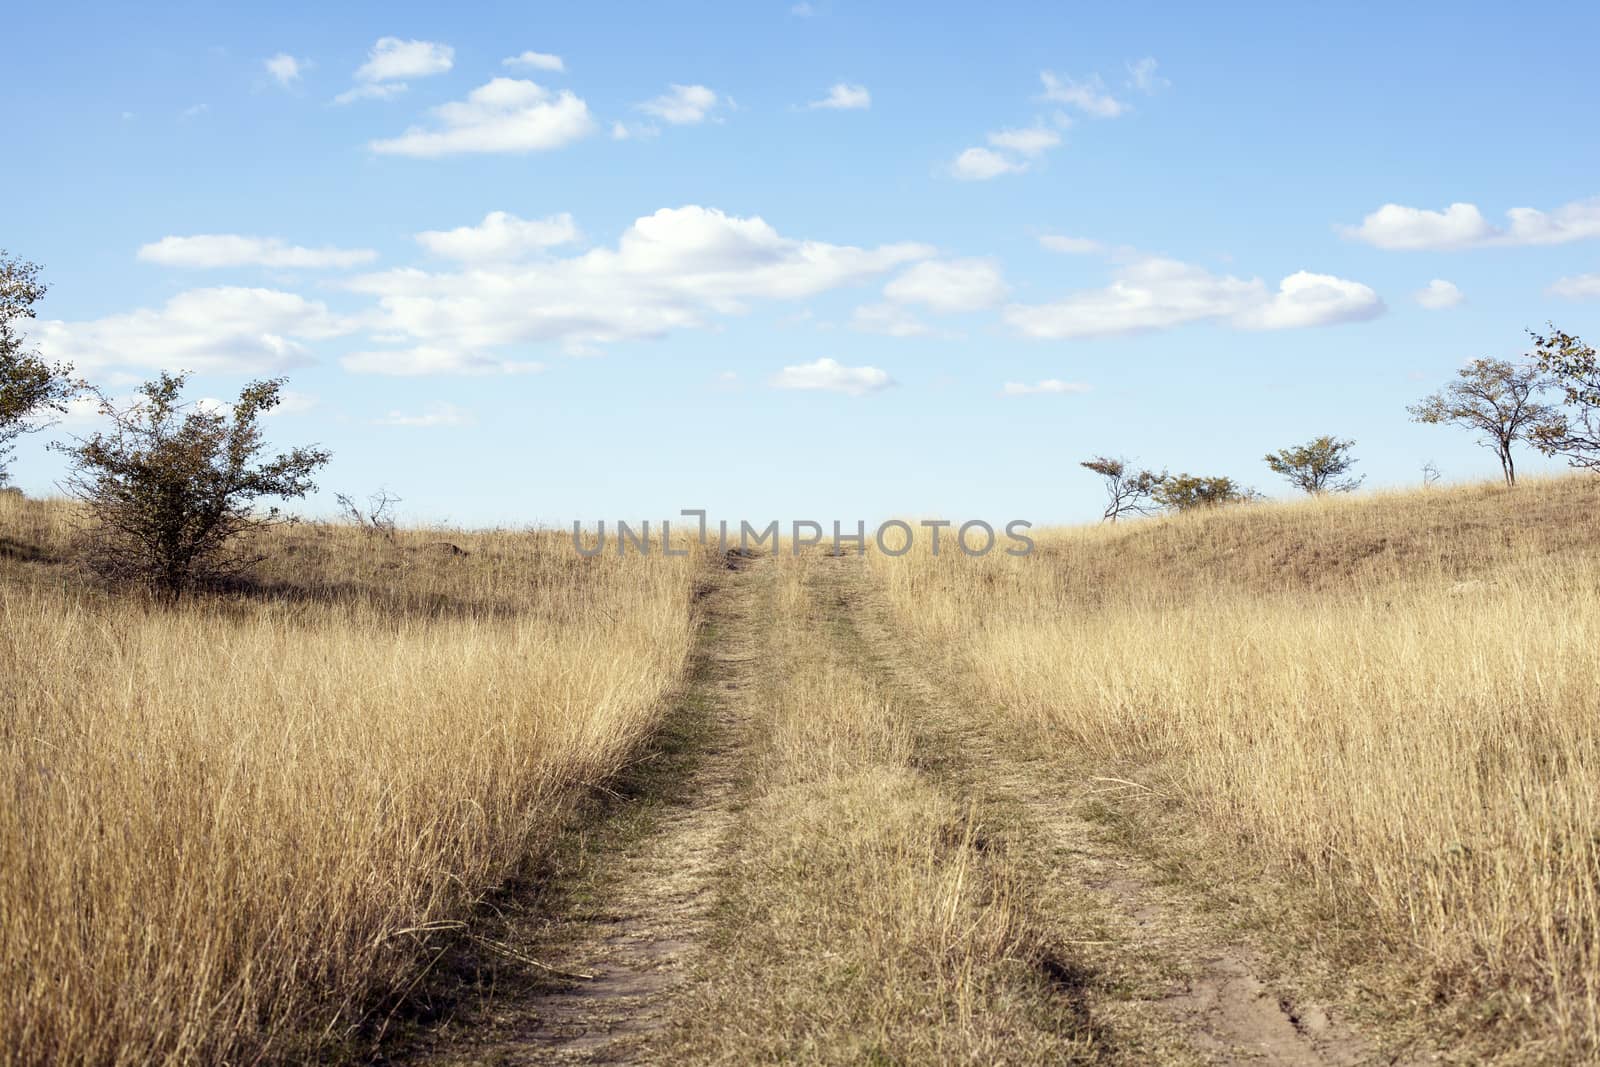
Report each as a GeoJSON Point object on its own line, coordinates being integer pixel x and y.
{"type": "Point", "coordinates": [1391, 700]}
{"type": "Point", "coordinates": [231, 830]}
{"type": "Point", "coordinates": [1062, 807]}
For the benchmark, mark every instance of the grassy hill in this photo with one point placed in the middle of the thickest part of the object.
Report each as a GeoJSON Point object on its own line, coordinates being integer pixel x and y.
{"type": "Point", "coordinates": [1390, 704]}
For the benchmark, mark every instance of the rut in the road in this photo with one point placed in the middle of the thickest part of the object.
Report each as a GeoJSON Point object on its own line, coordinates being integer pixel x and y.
{"type": "Point", "coordinates": [1216, 1000]}
{"type": "Point", "coordinates": [587, 977]}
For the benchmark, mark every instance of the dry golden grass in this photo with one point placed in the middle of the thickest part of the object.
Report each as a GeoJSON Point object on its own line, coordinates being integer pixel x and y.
{"type": "Point", "coordinates": [229, 831]}
{"type": "Point", "coordinates": [1394, 699]}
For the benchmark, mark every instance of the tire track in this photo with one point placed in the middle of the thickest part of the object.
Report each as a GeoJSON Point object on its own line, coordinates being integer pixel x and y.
{"type": "Point", "coordinates": [1179, 979]}
{"type": "Point", "coordinates": [590, 977]}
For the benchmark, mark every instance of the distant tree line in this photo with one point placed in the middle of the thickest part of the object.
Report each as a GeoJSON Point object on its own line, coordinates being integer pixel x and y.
{"type": "Point", "coordinates": [1502, 402]}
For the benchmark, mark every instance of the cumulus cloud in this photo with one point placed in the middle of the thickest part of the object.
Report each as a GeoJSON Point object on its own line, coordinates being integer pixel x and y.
{"type": "Point", "coordinates": [1016, 149]}
{"type": "Point", "coordinates": [950, 285]}
{"type": "Point", "coordinates": [222, 329]}
{"type": "Point", "coordinates": [1047, 386]}
{"type": "Point", "coordinates": [1461, 225]}
{"type": "Point", "coordinates": [435, 416]}
{"type": "Point", "coordinates": [1030, 142]}
{"type": "Point", "coordinates": [499, 237]}
{"type": "Point", "coordinates": [1307, 299]}
{"type": "Point", "coordinates": [392, 59]}
{"type": "Point", "coordinates": [1157, 293]}
{"type": "Point", "coordinates": [213, 250]}
{"type": "Point", "coordinates": [832, 376]}
{"type": "Point", "coordinates": [1578, 287]}
{"type": "Point", "coordinates": [682, 105]}
{"type": "Point", "coordinates": [676, 269]}
{"type": "Point", "coordinates": [285, 69]}
{"type": "Point", "coordinates": [981, 164]}
{"type": "Point", "coordinates": [535, 61]}
{"type": "Point", "coordinates": [891, 320]}
{"type": "Point", "coordinates": [503, 115]}
{"type": "Point", "coordinates": [1438, 295]}
{"type": "Point", "coordinates": [1088, 97]}
{"type": "Point", "coordinates": [842, 97]}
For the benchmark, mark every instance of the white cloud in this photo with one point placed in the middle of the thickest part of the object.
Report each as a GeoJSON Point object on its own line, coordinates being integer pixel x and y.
{"type": "Point", "coordinates": [375, 91]}
{"type": "Point", "coordinates": [832, 376]}
{"type": "Point", "coordinates": [1156, 293]}
{"type": "Point", "coordinates": [503, 115]}
{"type": "Point", "coordinates": [1396, 227]}
{"type": "Point", "coordinates": [682, 105]}
{"type": "Point", "coordinates": [285, 69]}
{"type": "Point", "coordinates": [436, 415]}
{"type": "Point", "coordinates": [981, 164]}
{"type": "Point", "coordinates": [225, 328]}
{"type": "Point", "coordinates": [500, 237]}
{"type": "Point", "coordinates": [1028, 142]}
{"type": "Point", "coordinates": [1461, 225]}
{"type": "Point", "coordinates": [1073, 246]}
{"type": "Point", "coordinates": [392, 59]}
{"type": "Point", "coordinates": [842, 97]}
{"type": "Point", "coordinates": [1143, 77]}
{"type": "Point", "coordinates": [1048, 385]}
{"type": "Point", "coordinates": [1438, 294]}
{"type": "Point", "coordinates": [213, 250]}
{"type": "Point", "coordinates": [535, 61]}
{"type": "Point", "coordinates": [1088, 96]}
{"type": "Point", "coordinates": [1578, 287]}
{"type": "Point", "coordinates": [804, 11]}
{"type": "Point", "coordinates": [891, 320]}
{"type": "Point", "coordinates": [195, 111]}
{"type": "Point", "coordinates": [676, 269]}
{"type": "Point", "coordinates": [1306, 299]}
{"type": "Point", "coordinates": [950, 285]}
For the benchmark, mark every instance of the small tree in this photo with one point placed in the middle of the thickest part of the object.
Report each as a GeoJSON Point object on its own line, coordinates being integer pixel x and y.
{"type": "Point", "coordinates": [1495, 398]}
{"type": "Point", "coordinates": [172, 486]}
{"type": "Point", "coordinates": [1318, 466]}
{"type": "Point", "coordinates": [375, 517]}
{"type": "Point", "coordinates": [1188, 492]}
{"type": "Point", "coordinates": [1573, 368]}
{"type": "Point", "coordinates": [1128, 492]}
{"type": "Point", "coordinates": [29, 387]}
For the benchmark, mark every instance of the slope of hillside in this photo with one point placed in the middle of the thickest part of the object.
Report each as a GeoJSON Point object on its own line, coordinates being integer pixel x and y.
{"type": "Point", "coordinates": [1385, 703]}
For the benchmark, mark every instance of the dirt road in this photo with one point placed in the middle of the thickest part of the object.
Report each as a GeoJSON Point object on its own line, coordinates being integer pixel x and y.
{"type": "Point", "coordinates": [646, 947]}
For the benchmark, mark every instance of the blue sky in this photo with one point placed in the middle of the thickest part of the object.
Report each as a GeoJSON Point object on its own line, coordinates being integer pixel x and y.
{"type": "Point", "coordinates": [531, 263]}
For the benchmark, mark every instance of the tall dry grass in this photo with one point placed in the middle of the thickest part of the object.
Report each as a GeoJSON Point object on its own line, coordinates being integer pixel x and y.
{"type": "Point", "coordinates": [1393, 698]}
{"type": "Point", "coordinates": [228, 831]}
